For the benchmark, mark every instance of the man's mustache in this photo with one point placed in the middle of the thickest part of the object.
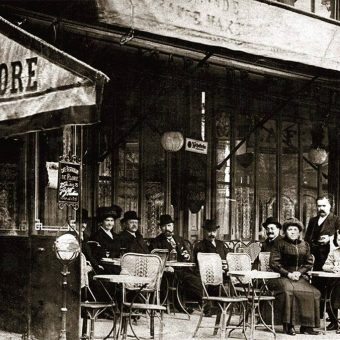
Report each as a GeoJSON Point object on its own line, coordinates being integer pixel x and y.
{"type": "Point", "coordinates": [211, 236]}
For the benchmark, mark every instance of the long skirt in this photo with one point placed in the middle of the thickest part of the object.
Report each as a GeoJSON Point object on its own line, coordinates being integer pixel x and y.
{"type": "Point", "coordinates": [296, 302]}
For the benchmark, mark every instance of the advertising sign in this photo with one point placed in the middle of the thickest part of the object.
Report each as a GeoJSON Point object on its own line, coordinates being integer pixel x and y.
{"type": "Point", "coordinates": [195, 145]}
{"type": "Point", "coordinates": [68, 184]}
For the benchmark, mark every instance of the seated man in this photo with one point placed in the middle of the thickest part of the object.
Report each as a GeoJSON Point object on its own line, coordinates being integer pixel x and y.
{"type": "Point", "coordinates": [273, 227]}
{"type": "Point", "coordinates": [131, 240]}
{"type": "Point", "coordinates": [210, 244]}
{"type": "Point", "coordinates": [190, 281]}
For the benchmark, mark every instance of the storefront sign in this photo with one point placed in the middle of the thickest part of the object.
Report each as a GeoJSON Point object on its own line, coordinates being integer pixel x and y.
{"type": "Point", "coordinates": [68, 184]}
{"type": "Point", "coordinates": [36, 78]}
{"type": "Point", "coordinates": [195, 145]}
{"type": "Point", "coordinates": [242, 25]}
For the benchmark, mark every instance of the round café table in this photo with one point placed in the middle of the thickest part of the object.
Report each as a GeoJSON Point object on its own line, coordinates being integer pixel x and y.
{"type": "Point", "coordinates": [255, 275]}
{"type": "Point", "coordinates": [328, 290]}
{"type": "Point", "coordinates": [122, 278]}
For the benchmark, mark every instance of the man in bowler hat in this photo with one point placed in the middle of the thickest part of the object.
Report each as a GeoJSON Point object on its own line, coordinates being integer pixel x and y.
{"type": "Point", "coordinates": [273, 227]}
{"type": "Point", "coordinates": [131, 240]}
{"type": "Point", "coordinates": [190, 281]}
{"type": "Point", "coordinates": [210, 244]}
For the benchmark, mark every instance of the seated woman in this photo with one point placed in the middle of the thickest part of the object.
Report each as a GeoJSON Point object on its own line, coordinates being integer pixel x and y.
{"type": "Point", "coordinates": [296, 299]}
{"type": "Point", "coordinates": [332, 264]}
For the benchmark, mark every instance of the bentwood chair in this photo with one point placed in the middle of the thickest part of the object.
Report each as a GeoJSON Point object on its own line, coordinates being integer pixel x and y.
{"type": "Point", "coordinates": [146, 297]}
{"type": "Point", "coordinates": [90, 306]}
{"type": "Point", "coordinates": [244, 286]}
{"type": "Point", "coordinates": [214, 292]}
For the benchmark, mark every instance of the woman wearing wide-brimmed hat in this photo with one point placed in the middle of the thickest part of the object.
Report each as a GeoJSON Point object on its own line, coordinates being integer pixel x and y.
{"type": "Point", "coordinates": [296, 299]}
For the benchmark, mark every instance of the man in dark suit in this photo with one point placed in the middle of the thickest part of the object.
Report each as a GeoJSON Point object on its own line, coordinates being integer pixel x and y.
{"type": "Point", "coordinates": [273, 227]}
{"type": "Point", "coordinates": [106, 238]}
{"type": "Point", "coordinates": [190, 281]}
{"type": "Point", "coordinates": [131, 240]}
{"type": "Point", "coordinates": [320, 229]}
{"type": "Point", "coordinates": [210, 244]}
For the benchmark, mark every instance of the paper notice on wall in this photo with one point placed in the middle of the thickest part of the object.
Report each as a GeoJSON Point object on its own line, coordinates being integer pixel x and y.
{"type": "Point", "coordinates": [52, 174]}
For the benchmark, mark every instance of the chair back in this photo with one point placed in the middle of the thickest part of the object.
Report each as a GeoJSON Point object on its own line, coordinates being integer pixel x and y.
{"type": "Point", "coordinates": [264, 257]}
{"type": "Point", "coordinates": [253, 250]}
{"type": "Point", "coordinates": [210, 267]}
{"type": "Point", "coordinates": [143, 265]}
{"type": "Point", "coordinates": [163, 254]}
{"type": "Point", "coordinates": [239, 262]}
{"type": "Point", "coordinates": [85, 269]}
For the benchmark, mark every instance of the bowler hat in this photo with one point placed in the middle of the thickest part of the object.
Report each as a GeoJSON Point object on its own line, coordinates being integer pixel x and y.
{"type": "Point", "coordinates": [292, 222]}
{"type": "Point", "coordinates": [165, 219]}
{"type": "Point", "coordinates": [210, 225]}
{"type": "Point", "coordinates": [271, 220]}
{"type": "Point", "coordinates": [130, 215]}
{"type": "Point", "coordinates": [114, 211]}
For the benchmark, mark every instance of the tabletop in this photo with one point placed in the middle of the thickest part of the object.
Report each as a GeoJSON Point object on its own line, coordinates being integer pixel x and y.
{"type": "Point", "coordinates": [123, 278]}
{"type": "Point", "coordinates": [255, 274]}
{"type": "Point", "coordinates": [324, 274]}
{"type": "Point", "coordinates": [176, 264]}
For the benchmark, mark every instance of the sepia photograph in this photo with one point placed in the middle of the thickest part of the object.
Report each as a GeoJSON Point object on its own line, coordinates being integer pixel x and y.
{"type": "Point", "coordinates": [169, 169]}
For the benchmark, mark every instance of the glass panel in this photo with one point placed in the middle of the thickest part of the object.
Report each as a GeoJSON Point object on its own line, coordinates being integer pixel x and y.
{"type": "Point", "coordinates": [105, 182]}
{"type": "Point", "coordinates": [290, 173]}
{"type": "Point", "coordinates": [223, 175]}
{"type": "Point", "coordinates": [309, 177]}
{"type": "Point", "coordinates": [128, 176]}
{"type": "Point", "coordinates": [267, 170]}
{"type": "Point", "coordinates": [13, 208]}
{"type": "Point", "coordinates": [244, 181]}
{"type": "Point", "coordinates": [321, 7]}
{"type": "Point", "coordinates": [154, 181]}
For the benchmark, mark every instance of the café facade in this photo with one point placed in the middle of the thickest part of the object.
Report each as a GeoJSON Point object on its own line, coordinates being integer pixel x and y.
{"type": "Point", "coordinates": [213, 110]}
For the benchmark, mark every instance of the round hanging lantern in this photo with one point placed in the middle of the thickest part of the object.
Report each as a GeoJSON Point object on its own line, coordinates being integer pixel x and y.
{"type": "Point", "coordinates": [317, 156]}
{"type": "Point", "coordinates": [172, 141]}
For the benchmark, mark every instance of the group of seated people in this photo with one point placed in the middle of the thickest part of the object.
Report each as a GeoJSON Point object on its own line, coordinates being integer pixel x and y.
{"type": "Point", "coordinates": [297, 300]}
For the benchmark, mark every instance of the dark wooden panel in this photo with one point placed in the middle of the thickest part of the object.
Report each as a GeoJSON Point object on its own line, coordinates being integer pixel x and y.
{"type": "Point", "coordinates": [47, 292]}
{"type": "Point", "coordinates": [14, 279]}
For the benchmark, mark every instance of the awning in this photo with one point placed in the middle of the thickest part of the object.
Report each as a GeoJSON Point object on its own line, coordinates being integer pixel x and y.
{"type": "Point", "coordinates": [42, 87]}
{"type": "Point", "coordinates": [262, 28]}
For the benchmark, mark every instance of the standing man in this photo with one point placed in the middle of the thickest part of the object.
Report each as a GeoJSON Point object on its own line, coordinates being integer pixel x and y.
{"type": "Point", "coordinates": [320, 229]}
{"type": "Point", "coordinates": [131, 240]}
{"type": "Point", "coordinates": [210, 244]}
{"type": "Point", "coordinates": [190, 282]}
{"type": "Point", "coordinates": [273, 227]}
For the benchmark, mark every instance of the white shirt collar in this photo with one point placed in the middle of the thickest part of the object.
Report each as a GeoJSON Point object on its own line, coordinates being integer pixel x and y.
{"type": "Point", "coordinates": [321, 219]}
{"type": "Point", "coordinates": [133, 234]}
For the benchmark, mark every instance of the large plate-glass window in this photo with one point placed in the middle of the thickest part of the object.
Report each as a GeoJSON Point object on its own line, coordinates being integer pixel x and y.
{"type": "Point", "coordinates": [13, 187]}
{"type": "Point", "coordinates": [49, 146]}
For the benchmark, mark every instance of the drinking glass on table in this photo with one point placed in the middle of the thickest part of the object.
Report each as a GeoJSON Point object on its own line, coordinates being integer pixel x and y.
{"type": "Point", "coordinates": [107, 253]}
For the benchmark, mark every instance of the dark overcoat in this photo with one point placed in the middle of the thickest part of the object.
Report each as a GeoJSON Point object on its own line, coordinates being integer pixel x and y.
{"type": "Point", "coordinates": [107, 243]}
{"type": "Point", "coordinates": [133, 244]}
{"type": "Point", "coordinates": [205, 246]}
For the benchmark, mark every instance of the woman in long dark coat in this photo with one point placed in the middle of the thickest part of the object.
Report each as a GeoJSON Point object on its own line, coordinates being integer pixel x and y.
{"type": "Point", "coordinates": [296, 299]}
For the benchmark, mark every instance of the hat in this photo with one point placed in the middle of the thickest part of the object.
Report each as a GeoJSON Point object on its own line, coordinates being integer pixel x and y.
{"type": "Point", "coordinates": [210, 225]}
{"type": "Point", "coordinates": [84, 215]}
{"type": "Point", "coordinates": [271, 220]}
{"type": "Point", "coordinates": [130, 215]}
{"type": "Point", "coordinates": [104, 212]}
{"type": "Point", "coordinates": [292, 222]}
{"type": "Point", "coordinates": [165, 219]}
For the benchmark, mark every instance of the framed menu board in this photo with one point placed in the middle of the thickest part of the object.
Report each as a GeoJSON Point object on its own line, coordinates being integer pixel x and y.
{"type": "Point", "coordinates": [68, 184]}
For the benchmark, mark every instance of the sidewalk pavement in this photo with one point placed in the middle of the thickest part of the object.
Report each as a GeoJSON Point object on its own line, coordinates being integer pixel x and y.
{"type": "Point", "coordinates": [178, 327]}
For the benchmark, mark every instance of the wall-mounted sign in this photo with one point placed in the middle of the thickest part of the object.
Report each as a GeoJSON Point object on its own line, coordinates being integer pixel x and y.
{"type": "Point", "coordinates": [68, 184]}
{"type": "Point", "coordinates": [195, 145]}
